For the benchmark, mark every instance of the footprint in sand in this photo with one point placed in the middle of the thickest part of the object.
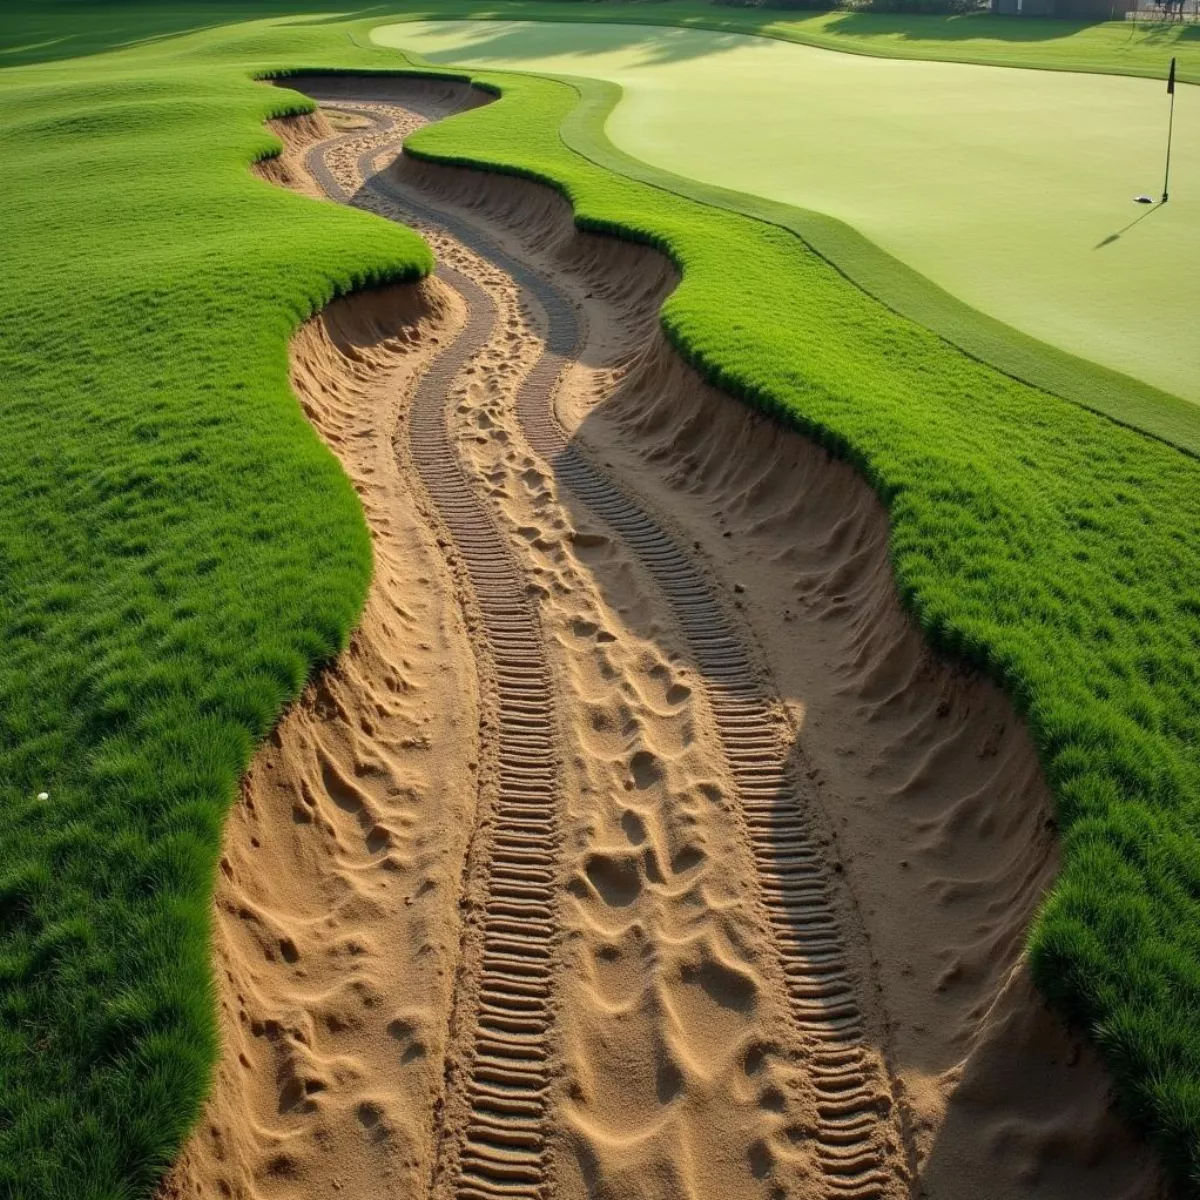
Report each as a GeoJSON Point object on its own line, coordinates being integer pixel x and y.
{"type": "Point", "coordinates": [615, 878]}
{"type": "Point", "coordinates": [339, 789]}
{"type": "Point", "coordinates": [646, 770]}
{"type": "Point", "coordinates": [371, 1117]}
{"type": "Point", "coordinates": [378, 839]}
{"type": "Point", "coordinates": [588, 541]}
{"type": "Point", "coordinates": [714, 1004]}
{"type": "Point", "coordinates": [353, 800]}
{"type": "Point", "coordinates": [687, 859]}
{"type": "Point", "coordinates": [633, 826]}
{"type": "Point", "coordinates": [406, 1031]}
{"type": "Point", "coordinates": [296, 1095]}
{"type": "Point", "coordinates": [617, 967]}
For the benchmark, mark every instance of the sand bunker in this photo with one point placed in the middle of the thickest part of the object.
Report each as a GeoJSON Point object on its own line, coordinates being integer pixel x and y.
{"type": "Point", "coordinates": [337, 903]}
{"type": "Point", "coordinates": [637, 847]}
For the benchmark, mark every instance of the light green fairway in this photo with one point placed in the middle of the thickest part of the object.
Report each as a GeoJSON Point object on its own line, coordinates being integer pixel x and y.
{"type": "Point", "coordinates": [1012, 189]}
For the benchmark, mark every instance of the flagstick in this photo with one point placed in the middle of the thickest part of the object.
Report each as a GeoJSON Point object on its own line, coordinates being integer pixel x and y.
{"type": "Point", "coordinates": [1170, 134]}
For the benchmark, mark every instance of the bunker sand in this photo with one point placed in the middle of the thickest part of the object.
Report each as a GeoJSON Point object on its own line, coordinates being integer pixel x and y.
{"type": "Point", "coordinates": [809, 989]}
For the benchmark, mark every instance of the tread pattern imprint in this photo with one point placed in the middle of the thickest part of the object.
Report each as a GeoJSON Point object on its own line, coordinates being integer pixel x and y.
{"type": "Point", "coordinates": [658, 997]}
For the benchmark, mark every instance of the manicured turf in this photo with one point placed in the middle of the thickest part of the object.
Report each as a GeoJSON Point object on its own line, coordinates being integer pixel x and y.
{"type": "Point", "coordinates": [177, 550]}
{"type": "Point", "coordinates": [903, 290]}
{"type": "Point", "coordinates": [56, 29]}
{"type": "Point", "coordinates": [1010, 189]}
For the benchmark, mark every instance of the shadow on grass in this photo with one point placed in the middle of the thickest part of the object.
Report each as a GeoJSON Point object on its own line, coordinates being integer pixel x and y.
{"type": "Point", "coordinates": [37, 33]}
{"type": "Point", "coordinates": [658, 44]}
{"type": "Point", "coordinates": [1116, 237]}
{"type": "Point", "coordinates": [1162, 33]}
{"type": "Point", "coordinates": [40, 31]}
{"type": "Point", "coordinates": [340, 18]}
{"type": "Point", "coordinates": [962, 28]}
{"type": "Point", "coordinates": [33, 32]}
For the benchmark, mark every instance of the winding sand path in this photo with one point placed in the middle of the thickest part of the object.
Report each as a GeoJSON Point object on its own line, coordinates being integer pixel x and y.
{"type": "Point", "coordinates": [605, 927]}
{"type": "Point", "coordinates": [507, 1077]}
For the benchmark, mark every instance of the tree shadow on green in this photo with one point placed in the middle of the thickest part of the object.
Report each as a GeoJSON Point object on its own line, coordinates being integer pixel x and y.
{"type": "Point", "coordinates": [495, 44]}
{"type": "Point", "coordinates": [958, 28]}
{"type": "Point", "coordinates": [50, 32]}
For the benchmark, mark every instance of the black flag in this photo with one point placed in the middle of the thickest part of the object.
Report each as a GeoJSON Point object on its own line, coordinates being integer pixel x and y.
{"type": "Point", "coordinates": [1171, 80]}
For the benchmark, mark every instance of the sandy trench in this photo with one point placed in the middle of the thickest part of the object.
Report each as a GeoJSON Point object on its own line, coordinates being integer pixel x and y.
{"type": "Point", "coordinates": [738, 935]}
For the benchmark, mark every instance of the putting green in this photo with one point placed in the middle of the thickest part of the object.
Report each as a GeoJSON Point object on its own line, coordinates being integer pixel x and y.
{"type": "Point", "coordinates": [1009, 188]}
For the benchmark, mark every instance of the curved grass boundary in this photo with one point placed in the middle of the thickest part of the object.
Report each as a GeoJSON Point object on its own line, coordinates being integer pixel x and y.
{"type": "Point", "coordinates": [904, 290]}
{"type": "Point", "coordinates": [1050, 550]}
{"type": "Point", "coordinates": [36, 31]}
{"type": "Point", "coordinates": [1142, 49]}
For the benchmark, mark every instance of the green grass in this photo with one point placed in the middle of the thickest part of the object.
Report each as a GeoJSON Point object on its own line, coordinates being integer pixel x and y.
{"type": "Point", "coordinates": [1106, 47]}
{"type": "Point", "coordinates": [56, 29]}
{"type": "Point", "coordinates": [906, 292]}
{"type": "Point", "coordinates": [900, 288]}
{"type": "Point", "coordinates": [178, 550]}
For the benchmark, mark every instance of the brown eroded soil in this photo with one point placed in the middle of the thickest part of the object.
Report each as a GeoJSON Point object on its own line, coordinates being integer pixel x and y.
{"type": "Point", "coordinates": [637, 848]}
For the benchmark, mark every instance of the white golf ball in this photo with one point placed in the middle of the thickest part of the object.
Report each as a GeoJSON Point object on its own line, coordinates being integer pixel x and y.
{"type": "Point", "coordinates": [43, 795]}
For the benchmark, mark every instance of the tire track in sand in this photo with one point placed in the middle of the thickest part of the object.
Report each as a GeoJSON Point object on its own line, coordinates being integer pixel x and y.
{"type": "Point", "coordinates": [852, 1138]}
{"type": "Point", "coordinates": [501, 1153]}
